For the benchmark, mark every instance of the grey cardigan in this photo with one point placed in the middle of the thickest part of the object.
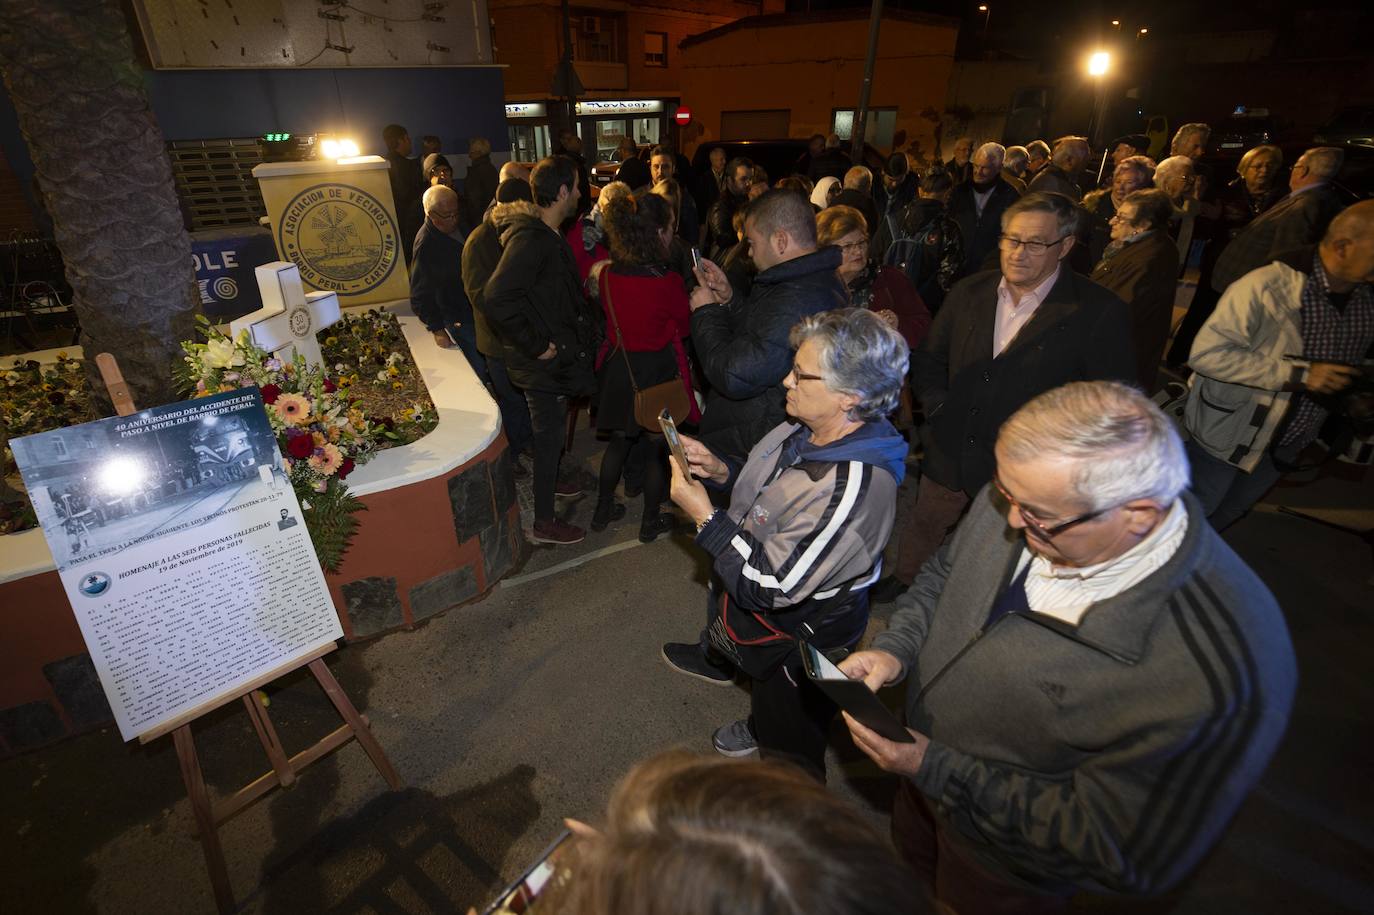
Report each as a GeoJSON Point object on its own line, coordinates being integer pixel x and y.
{"type": "Point", "coordinates": [1107, 756]}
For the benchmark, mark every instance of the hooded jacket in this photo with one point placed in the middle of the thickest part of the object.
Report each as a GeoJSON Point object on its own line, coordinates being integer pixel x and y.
{"type": "Point", "coordinates": [744, 351]}
{"type": "Point", "coordinates": [532, 299]}
{"type": "Point", "coordinates": [804, 534]}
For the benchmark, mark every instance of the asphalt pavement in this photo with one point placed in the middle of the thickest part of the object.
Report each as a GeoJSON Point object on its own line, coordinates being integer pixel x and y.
{"type": "Point", "coordinates": [506, 715]}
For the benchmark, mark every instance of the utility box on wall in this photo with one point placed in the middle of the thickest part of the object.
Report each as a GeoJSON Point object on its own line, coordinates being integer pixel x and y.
{"type": "Point", "coordinates": [292, 33]}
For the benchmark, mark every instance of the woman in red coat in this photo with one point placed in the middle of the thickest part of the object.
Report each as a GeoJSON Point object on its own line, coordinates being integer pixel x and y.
{"type": "Point", "coordinates": [647, 318]}
{"type": "Point", "coordinates": [884, 290]}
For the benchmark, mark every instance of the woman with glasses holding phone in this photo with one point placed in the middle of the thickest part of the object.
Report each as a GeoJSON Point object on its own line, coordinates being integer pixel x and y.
{"type": "Point", "coordinates": [793, 555]}
{"type": "Point", "coordinates": [885, 291]}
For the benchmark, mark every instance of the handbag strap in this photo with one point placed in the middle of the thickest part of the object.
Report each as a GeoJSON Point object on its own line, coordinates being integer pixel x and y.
{"type": "Point", "coordinates": [620, 338]}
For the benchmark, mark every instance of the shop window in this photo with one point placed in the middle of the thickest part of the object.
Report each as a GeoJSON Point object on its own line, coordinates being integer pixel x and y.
{"type": "Point", "coordinates": [596, 38]}
{"type": "Point", "coordinates": [655, 49]}
{"type": "Point", "coordinates": [879, 127]}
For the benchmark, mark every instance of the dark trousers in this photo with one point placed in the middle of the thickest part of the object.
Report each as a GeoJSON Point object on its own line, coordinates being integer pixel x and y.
{"type": "Point", "coordinates": [950, 873]}
{"type": "Point", "coordinates": [625, 449]}
{"type": "Point", "coordinates": [466, 338]}
{"type": "Point", "coordinates": [791, 717]}
{"type": "Point", "coordinates": [922, 530]}
{"type": "Point", "coordinates": [548, 416]}
{"type": "Point", "coordinates": [1226, 492]}
{"type": "Point", "coordinates": [515, 412]}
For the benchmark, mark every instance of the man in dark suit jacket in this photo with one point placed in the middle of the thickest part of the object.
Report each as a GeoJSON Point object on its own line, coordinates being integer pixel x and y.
{"type": "Point", "coordinates": [977, 206]}
{"type": "Point", "coordinates": [1001, 338]}
{"type": "Point", "coordinates": [1141, 266]}
{"type": "Point", "coordinates": [1298, 220]}
{"type": "Point", "coordinates": [858, 193]}
{"type": "Point", "coordinates": [436, 278]}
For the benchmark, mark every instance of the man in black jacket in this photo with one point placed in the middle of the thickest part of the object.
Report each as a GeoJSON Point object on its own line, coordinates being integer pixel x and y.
{"type": "Point", "coordinates": [479, 185]}
{"type": "Point", "coordinates": [436, 281]}
{"type": "Point", "coordinates": [858, 193]}
{"type": "Point", "coordinates": [481, 254]}
{"type": "Point", "coordinates": [547, 330]}
{"type": "Point", "coordinates": [407, 184]}
{"type": "Point", "coordinates": [1002, 337]}
{"type": "Point", "coordinates": [720, 228]}
{"type": "Point", "coordinates": [977, 206]}
{"type": "Point", "coordinates": [743, 347]}
{"type": "Point", "coordinates": [923, 242]}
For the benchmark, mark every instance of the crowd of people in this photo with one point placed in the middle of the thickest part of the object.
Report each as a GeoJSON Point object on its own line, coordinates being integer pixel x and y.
{"type": "Point", "coordinates": [1094, 679]}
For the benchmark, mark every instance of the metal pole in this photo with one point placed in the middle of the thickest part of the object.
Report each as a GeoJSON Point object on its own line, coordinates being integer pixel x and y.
{"type": "Point", "coordinates": [861, 116]}
{"type": "Point", "coordinates": [569, 73]}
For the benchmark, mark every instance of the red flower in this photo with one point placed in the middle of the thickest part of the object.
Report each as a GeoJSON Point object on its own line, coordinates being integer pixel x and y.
{"type": "Point", "coordinates": [345, 468]}
{"type": "Point", "coordinates": [269, 393]}
{"type": "Point", "coordinates": [329, 386]}
{"type": "Point", "coordinates": [301, 447]}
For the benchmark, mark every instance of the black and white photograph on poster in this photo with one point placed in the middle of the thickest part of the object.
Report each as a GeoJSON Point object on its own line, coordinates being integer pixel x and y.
{"type": "Point", "coordinates": [112, 483]}
{"type": "Point", "coordinates": [182, 548]}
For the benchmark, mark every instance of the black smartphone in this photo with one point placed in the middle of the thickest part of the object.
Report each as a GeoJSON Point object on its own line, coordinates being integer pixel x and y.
{"type": "Point", "coordinates": [525, 889]}
{"type": "Point", "coordinates": [853, 696]}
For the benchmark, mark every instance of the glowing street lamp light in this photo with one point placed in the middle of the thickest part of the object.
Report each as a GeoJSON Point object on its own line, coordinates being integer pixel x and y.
{"type": "Point", "coordinates": [1141, 33]}
{"type": "Point", "coordinates": [1099, 63]}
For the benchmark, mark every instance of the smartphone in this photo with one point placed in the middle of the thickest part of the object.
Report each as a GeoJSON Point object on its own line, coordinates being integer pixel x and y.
{"type": "Point", "coordinates": [853, 696]}
{"type": "Point", "coordinates": [665, 421]}
{"type": "Point", "coordinates": [696, 259]}
{"type": "Point", "coordinates": [525, 889]}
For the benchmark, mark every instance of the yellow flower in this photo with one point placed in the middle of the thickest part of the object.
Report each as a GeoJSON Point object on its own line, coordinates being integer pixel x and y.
{"type": "Point", "coordinates": [318, 439]}
{"type": "Point", "coordinates": [221, 354]}
{"type": "Point", "coordinates": [396, 385]}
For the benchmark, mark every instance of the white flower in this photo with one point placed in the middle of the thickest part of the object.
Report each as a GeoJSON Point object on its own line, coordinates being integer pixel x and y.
{"type": "Point", "coordinates": [221, 354]}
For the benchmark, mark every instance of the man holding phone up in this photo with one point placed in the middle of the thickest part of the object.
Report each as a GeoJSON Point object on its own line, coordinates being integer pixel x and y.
{"type": "Point", "coordinates": [1095, 680]}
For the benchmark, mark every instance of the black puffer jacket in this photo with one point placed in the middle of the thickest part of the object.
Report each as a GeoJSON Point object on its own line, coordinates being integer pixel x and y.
{"type": "Point", "coordinates": [533, 299]}
{"type": "Point", "coordinates": [744, 352]}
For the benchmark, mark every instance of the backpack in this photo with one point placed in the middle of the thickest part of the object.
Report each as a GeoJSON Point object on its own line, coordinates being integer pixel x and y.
{"type": "Point", "coordinates": [906, 251]}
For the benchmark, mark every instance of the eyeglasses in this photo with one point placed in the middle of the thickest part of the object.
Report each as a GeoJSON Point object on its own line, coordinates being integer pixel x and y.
{"type": "Point", "coordinates": [1038, 528]}
{"type": "Point", "coordinates": [804, 376]}
{"type": "Point", "coordinates": [440, 214]}
{"type": "Point", "coordinates": [1011, 243]}
{"type": "Point", "coordinates": [860, 245]}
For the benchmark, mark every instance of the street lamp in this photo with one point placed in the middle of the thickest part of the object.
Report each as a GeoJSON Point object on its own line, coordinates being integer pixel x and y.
{"type": "Point", "coordinates": [1098, 65]}
{"type": "Point", "coordinates": [1141, 33]}
{"type": "Point", "coordinates": [1116, 24]}
{"type": "Point", "coordinates": [987, 14]}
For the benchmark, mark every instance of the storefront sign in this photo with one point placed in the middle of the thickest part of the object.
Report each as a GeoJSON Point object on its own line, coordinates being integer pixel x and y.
{"type": "Point", "coordinates": [525, 110]}
{"type": "Point", "coordinates": [630, 106]}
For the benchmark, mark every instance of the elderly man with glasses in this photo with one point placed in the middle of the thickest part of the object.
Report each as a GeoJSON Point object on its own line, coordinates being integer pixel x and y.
{"type": "Point", "coordinates": [1002, 337]}
{"type": "Point", "coordinates": [1095, 681]}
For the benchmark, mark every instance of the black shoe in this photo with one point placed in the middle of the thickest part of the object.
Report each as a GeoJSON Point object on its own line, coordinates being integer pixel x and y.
{"type": "Point", "coordinates": [602, 517]}
{"type": "Point", "coordinates": [649, 531]}
{"type": "Point", "coordinates": [688, 658]}
{"type": "Point", "coordinates": [887, 589]}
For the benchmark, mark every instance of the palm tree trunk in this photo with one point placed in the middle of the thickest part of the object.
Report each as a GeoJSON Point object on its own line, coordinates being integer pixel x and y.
{"type": "Point", "coordinates": [103, 170]}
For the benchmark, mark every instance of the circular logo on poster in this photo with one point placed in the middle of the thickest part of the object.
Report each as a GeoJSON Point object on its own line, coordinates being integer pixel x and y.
{"type": "Point", "coordinates": [94, 584]}
{"type": "Point", "coordinates": [340, 237]}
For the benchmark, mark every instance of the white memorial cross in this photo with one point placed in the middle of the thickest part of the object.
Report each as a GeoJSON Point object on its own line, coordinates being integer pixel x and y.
{"type": "Point", "coordinates": [290, 317]}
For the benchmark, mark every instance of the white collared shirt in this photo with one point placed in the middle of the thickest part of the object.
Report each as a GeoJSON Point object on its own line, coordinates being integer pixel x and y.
{"type": "Point", "coordinates": [1066, 593]}
{"type": "Point", "coordinates": [1012, 316]}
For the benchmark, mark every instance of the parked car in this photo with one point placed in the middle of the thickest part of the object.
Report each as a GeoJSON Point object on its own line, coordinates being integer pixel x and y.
{"type": "Point", "coordinates": [1352, 126]}
{"type": "Point", "coordinates": [1244, 129]}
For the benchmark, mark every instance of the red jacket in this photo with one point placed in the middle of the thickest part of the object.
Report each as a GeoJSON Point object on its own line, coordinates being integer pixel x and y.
{"type": "Point", "coordinates": [652, 312]}
{"type": "Point", "coordinates": [892, 290]}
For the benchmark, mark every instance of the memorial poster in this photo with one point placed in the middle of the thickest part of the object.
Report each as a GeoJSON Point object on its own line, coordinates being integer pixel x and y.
{"type": "Point", "coordinates": [181, 546]}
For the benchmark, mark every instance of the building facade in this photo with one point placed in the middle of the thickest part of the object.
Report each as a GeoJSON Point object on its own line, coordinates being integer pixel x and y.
{"type": "Point", "coordinates": [627, 59]}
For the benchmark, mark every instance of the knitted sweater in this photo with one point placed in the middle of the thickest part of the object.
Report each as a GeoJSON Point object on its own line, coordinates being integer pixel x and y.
{"type": "Point", "coordinates": [1107, 756]}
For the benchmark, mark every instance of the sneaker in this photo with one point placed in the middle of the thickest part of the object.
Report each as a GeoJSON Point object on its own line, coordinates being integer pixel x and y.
{"type": "Point", "coordinates": [887, 589]}
{"type": "Point", "coordinates": [568, 488]}
{"type": "Point", "coordinates": [601, 518]}
{"type": "Point", "coordinates": [688, 658]}
{"type": "Point", "coordinates": [650, 531]}
{"type": "Point", "coordinates": [557, 532]}
{"type": "Point", "coordinates": [735, 739]}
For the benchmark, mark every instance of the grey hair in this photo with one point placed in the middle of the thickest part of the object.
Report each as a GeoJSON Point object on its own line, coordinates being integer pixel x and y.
{"type": "Point", "coordinates": [1264, 150]}
{"type": "Point", "coordinates": [1170, 167]}
{"type": "Point", "coordinates": [995, 150]}
{"type": "Point", "coordinates": [1186, 131]}
{"type": "Point", "coordinates": [1324, 162]}
{"type": "Point", "coordinates": [1017, 157]}
{"type": "Point", "coordinates": [1038, 146]}
{"type": "Point", "coordinates": [479, 146]}
{"type": "Point", "coordinates": [1065, 210]}
{"type": "Point", "coordinates": [1122, 445]}
{"type": "Point", "coordinates": [859, 178]}
{"type": "Point", "coordinates": [1064, 147]}
{"type": "Point", "coordinates": [1143, 164]}
{"type": "Point", "coordinates": [610, 192]}
{"type": "Point", "coordinates": [860, 354]}
{"type": "Point", "coordinates": [434, 194]}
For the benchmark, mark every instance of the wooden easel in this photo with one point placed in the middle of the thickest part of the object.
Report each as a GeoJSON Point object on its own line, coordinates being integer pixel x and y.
{"type": "Point", "coordinates": [210, 815]}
